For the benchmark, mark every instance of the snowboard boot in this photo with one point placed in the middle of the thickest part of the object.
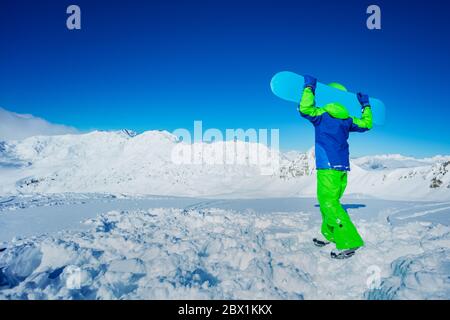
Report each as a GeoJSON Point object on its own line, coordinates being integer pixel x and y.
{"type": "Point", "coordinates": [343, 254]}
{"type": "Point", "coordinates": [320, 242]}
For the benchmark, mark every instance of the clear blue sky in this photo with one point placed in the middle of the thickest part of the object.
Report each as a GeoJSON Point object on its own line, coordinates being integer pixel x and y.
{"type": "Point", "coordinates": [163, 64]}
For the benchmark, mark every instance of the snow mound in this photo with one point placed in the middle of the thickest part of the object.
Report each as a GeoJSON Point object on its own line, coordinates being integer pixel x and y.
{"type": "Point", "coordinates": [223, 254]}
{"type": "Point", "coordinates": [416, 277]}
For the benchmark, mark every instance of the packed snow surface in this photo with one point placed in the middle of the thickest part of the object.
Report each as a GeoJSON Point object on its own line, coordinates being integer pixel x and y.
{"type": "Point", "coordinates": [186, 248]}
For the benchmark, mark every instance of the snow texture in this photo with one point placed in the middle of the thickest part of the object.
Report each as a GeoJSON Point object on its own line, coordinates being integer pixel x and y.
{"type": "Point", "coordinates": [206, 250]}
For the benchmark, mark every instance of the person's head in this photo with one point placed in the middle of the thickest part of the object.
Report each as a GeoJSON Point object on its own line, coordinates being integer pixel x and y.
{"type": "Point", "coordinates": [338, 86]}
{"type": "Point", "coordinates": [335, 109]}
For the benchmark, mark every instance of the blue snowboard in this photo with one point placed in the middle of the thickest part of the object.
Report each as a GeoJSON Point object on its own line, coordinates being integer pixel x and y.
{"type": "Point", "coordinates": [289, 86]}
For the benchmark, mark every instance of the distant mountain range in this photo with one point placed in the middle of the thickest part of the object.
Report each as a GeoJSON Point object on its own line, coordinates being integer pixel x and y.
{"type": "Point", "coordinates": [124, 162]}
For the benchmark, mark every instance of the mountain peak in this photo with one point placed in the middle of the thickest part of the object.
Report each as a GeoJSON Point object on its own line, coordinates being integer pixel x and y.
{"type": "Point", "coordinates": [129, 133]}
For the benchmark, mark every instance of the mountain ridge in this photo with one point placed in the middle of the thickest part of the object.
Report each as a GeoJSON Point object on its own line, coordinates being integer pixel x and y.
{"type": "Point", "coordinates": [125, 162]}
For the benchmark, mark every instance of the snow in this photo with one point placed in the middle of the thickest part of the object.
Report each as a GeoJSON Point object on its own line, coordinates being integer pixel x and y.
{"type": "Point", "coordinates": [109, 215]}
{"type": "Point", "coordinates": [15, 126]}
{"type": "Point", "coordinates": [122, 162]}
{"type": "Point", "coordinates": [391, 161]}
{"type": "Point", "coordinates": [178, 248]}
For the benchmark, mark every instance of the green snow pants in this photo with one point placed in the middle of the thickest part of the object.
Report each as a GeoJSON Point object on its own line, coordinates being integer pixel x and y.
{"type": "Point", "coordinates": [337, 226]}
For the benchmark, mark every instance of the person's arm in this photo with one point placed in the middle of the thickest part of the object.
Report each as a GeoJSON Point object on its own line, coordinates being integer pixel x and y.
{"type": "Point", "coordinates": [307, 107]}
{"type": "Point", "coordinates": [365, 122]}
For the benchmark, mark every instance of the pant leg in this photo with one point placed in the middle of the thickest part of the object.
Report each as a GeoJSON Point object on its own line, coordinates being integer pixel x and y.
{"type": "Point", "coordinates": [343, 183]}
{"type": "Point", "coordinates": [337, 225]}
{"type": "Point", "coordinates": [323, 185]}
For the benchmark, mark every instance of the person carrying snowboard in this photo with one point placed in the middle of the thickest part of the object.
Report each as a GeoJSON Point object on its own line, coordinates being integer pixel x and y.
{"type": "Point", "coordinates": [333, 124]}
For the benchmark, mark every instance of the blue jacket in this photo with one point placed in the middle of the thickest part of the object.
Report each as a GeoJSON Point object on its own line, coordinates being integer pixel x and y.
{"type": "Point", "coordinates": [332, 125]}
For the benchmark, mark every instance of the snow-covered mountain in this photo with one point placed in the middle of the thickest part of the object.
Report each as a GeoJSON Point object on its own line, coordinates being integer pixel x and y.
{"type": "Point", "coordinates": [390, 161]}
{"type": "Point", "coordinates": [123, 162]}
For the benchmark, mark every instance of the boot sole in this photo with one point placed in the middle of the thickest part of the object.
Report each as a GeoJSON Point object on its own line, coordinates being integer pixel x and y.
{"type": "Point", "coordinates": [319, 243]}
{"type": "Point", "coordinates": [344, 255]}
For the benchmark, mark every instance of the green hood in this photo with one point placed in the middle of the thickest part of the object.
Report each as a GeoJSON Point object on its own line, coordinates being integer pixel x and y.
{"type": "Point", "coordinates": [337, 110]}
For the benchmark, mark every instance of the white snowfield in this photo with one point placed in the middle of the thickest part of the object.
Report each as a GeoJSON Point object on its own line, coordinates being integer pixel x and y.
{"type": "Point", "coordinates": [225, 249]}
{"type": "Point", "coordinates": [78, 221]}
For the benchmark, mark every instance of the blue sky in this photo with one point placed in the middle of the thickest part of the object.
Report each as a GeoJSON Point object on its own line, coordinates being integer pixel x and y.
{"type": "Point", "coordinates": [163, 64]}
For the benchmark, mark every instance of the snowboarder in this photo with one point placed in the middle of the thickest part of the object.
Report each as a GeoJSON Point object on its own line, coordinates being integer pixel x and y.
{"type": "Point", "coordinates": [332, 125]}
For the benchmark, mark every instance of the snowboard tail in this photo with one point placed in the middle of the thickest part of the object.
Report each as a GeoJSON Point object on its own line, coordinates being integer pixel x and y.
{"type": "Point", "coordinates": [289, 86]}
